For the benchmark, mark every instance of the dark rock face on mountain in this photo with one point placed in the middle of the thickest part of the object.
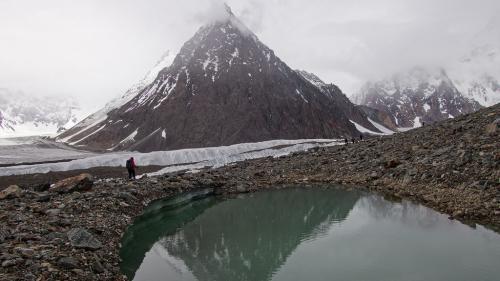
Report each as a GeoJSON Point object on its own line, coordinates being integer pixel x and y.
{"type": "Point", "coordinates": [380, 116]}
{"type": "Point", "coordinates": [420, 95]}
{"type": "Point", "coordinates": [342, 103]}
{"type": "Point", "coordinates": [224, 87]}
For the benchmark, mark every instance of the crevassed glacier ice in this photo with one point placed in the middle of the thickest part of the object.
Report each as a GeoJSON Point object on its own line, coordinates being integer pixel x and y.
{"type": "Point", "coordinates": [182, 159]}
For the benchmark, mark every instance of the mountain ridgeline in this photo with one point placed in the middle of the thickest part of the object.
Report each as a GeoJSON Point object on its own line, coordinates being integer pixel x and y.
{"type": "Point", "coordinates": [417, 96]}
{"type": "Point", "coordinates": [224, 87]}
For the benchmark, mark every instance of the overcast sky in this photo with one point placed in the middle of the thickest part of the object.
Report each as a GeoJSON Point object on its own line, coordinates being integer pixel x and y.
{"type": "Point", "coordinates": [95, 49]}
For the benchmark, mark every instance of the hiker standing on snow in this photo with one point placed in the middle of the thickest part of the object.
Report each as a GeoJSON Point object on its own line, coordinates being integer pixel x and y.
{"type": "Point", "coordinates": [130, 165]}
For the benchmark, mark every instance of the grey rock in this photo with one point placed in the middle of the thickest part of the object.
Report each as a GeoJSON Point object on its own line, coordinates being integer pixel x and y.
{"type": "Point", "coordinates": [9, 263]}
{"type": "Point", "coordinates": [53, 212]}
{"type": "Point", "coordinates": [126, 196]}
{"type": "Point", "coordinates": [241, 188]}
{"type": "Point", "coordinates": [25, 252]}
{"type": "Point", "coordinates": [67, 263]}
{"type": "Point", "coordinates": [81, 238]}
{"type": "Point", "coordinates": [43, 198]}
{"type": "Point", "coordinates": [97, 267]}
{"type": "Point", "coordinates": [3, 235]}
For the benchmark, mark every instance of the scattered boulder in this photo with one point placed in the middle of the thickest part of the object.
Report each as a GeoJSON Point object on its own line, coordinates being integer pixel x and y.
{"type": "Point", "coordinates": [43, 198]}
{"type": "Point", "coordinates": [126, 196]}
{"type": "Point", "coordinates": [53, 212]}
{"type": "Point", "coordinates": [12, 191]}
{"type": "Point", "coordinates": [83, 182]}
{"type": "Point", "coordinates": [9, 263]}
{"type": "Point", "coordinates": [97, 267]}
{"type": "Point", "coordinates": [393, 163]}
{"type": "Point", "coordinates": [41, 187]}
{"type": "Point", "coordinates": [492, 128]}
{"type": "Point", "coordinates": [81, 238]}
{"type": "Point", "coordinates": [3, 235]}
{"type": "Point", "coordinates": [67, 263]}
{"type": "Point", "coordinates": [25, 252]}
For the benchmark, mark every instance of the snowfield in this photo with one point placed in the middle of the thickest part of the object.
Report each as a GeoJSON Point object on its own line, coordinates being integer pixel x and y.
{"type": "Point", "coordinates": [176, 160]}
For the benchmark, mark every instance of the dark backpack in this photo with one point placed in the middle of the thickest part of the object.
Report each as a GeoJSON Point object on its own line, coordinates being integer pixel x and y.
{"type": "Point", "coordinates": [128, 165]}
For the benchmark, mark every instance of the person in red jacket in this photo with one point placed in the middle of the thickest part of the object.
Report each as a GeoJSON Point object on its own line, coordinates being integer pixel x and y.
{"type": "Point", "coordinates": [130, 165]}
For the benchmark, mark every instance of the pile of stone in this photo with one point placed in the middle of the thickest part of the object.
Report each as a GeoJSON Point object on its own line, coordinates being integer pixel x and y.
{"type": "Point", "coordinates": [71, 230]}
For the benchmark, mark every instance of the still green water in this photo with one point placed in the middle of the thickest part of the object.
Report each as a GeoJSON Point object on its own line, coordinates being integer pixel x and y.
{"type": "Point", "coordinates": [305, 234]}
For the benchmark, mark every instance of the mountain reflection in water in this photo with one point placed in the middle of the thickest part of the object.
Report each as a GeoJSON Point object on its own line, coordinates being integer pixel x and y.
{"type": "Point", "coordinates": [299, 234]}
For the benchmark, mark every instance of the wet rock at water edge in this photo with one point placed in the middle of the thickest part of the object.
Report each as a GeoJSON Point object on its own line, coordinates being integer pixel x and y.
{"type": "Point", "coordinates": [81, 238]}
{"type": "Point", "coordinates": [241, 188]}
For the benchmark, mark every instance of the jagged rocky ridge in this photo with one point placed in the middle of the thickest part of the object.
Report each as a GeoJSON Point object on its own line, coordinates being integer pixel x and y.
{"type": "Point", "coordinates": [418, 96]}
{"type": "Point", "coordinates": [224, 87]}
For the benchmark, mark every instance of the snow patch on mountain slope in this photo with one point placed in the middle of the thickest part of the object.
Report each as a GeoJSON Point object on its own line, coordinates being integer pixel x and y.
{"type": "Point", "coordinates": [191, 158]}
{"type": "Point", "coordinates": [365, 130]}
{"type": "Point", "coordinates": [381, 127]}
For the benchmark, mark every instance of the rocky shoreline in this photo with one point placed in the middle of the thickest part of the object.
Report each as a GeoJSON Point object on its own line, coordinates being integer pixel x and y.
{"type": "Point", "coordinates": [72, 231]}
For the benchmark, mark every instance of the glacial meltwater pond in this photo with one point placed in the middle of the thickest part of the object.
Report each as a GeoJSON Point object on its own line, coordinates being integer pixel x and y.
{"type": "Point", "coordinates": [305, 234]}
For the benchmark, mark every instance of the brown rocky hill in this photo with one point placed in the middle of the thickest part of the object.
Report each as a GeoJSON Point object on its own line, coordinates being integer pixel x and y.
{"type": "Point", "coordinates": [224, 87]}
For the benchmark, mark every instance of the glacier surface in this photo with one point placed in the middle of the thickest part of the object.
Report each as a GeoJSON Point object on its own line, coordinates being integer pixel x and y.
{"type": "Point", "coordinates": [184, 159]}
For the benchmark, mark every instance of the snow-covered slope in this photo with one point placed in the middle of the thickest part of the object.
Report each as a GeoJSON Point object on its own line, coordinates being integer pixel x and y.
{"type": "Point", "coordinates": [102, 114]}
{"type": "Point", "coordinates": [24, 115]}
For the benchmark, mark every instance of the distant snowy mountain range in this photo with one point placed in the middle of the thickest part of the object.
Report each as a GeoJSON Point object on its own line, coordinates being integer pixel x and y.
{"type": "Point", "coordinates": [417, 96]}
{"type": "Point", "coordinates": [423, 94]}
{"type": "Point", "coordinates": [24, 115]}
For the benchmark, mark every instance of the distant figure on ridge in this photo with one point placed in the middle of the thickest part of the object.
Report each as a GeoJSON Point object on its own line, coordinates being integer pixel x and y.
{"type": "Point", "coordinates": [130, 165]}
{"type": "Point", "coordinates": [353, 140]}
{"type": "Point", "coordinates": [346, 141]}
{"type": "Point", "coordinates": [361, 137]}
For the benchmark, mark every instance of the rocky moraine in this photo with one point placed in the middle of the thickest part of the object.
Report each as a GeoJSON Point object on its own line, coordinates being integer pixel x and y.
{"type": "Point", "coordinates": [72, 230]}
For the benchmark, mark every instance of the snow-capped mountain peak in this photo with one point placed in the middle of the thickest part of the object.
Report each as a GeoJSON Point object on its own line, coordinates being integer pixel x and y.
{"type": "Point", "coordinates": [224, 87]}
{"type": "Point", "coordinates": [415, 96]}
